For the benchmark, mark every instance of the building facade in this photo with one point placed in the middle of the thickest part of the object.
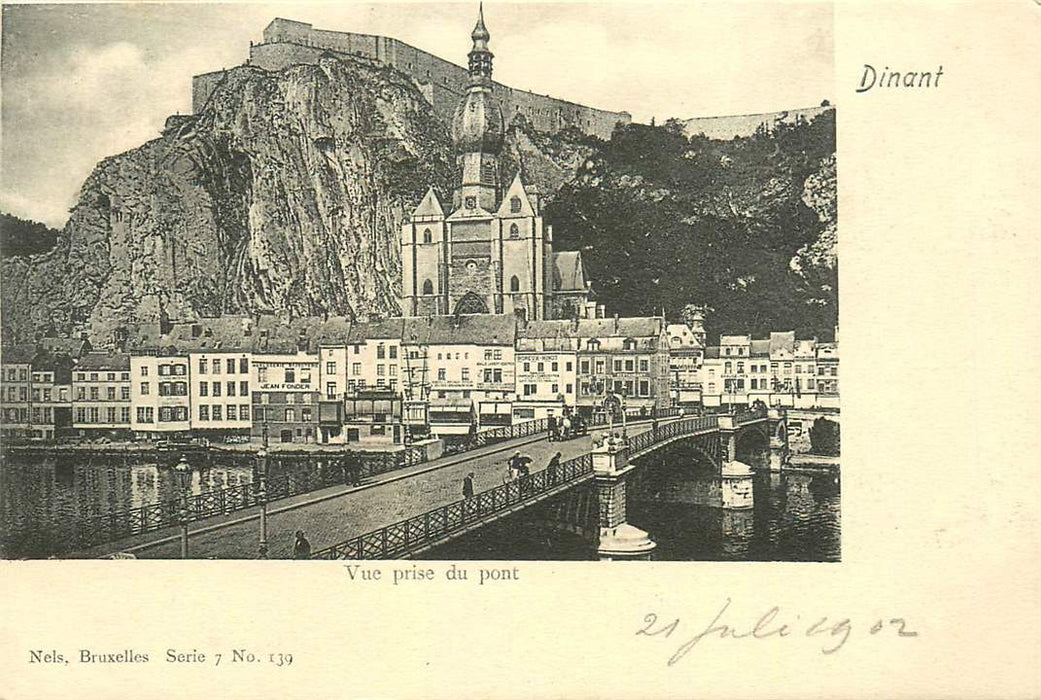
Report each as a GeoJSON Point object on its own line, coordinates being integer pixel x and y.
{"type": "Point", "coordinates": [51, 412]}
{"type": "Point", "coordinates": [101, 396]}
{"type": "Point", "coordinates": [220, 392]}
{"type": "Point", "coordinates": [160, 400]}
{"type": "Point", "coordinates": [686, 354]}
{"type": "Point", "coordinates": [285, 397]}
{"type": "Point", "coordinates": [16, 394]}
{"type": "Point", "coordinates": [626, 358]}
{"type": "Point", "coordinates": [546, 370]}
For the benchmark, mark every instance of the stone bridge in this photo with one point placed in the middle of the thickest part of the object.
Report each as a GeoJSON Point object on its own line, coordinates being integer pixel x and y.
{"type": "Point", "coordinates": [606, 467]}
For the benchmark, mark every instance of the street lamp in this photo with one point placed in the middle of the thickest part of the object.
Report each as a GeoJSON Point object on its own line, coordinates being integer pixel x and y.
{"type": "Point", "coordinates": [183, 472]}
{"type": "Point", "coordinates": [262, 499]}
{"type": "Point", "coordinates": [625, 432]}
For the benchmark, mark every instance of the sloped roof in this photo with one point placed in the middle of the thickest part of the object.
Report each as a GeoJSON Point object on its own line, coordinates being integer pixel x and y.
{"type": "Point", "coordinates": [782, 342]}
{"type": "Point", "coordinates": [116, 361]}
{"type": "Point", "coordinates": [516, 189]}
{"type": "Point", "coordinates": [430, 207]}
{"type": "Point", "coordinates": [805, 348]}
{"type": "Point", "coordinates": [17, 354]}
{"type": "Point", "coordinates": [547, 329]}
{"type": "Point", "coordinates": [73, 347]}
{"type": "Point", "coordinates": [760, 348]}
{"type": "Point", "coordinates": [465, 329]}
{"type": "Point", "coordinates": [712, 352]}
{"type": "Point", "coordinates": [383, 329]}
{"type": "Point", "coordinates": [568, 272]}
{"type": "Point", "coordinates": [630, 327]}
{"type": "Point", "coordinates": [686, 336]}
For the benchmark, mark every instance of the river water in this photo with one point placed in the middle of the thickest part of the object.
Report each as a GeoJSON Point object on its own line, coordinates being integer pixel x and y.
{"type": "Point", "coordinates": [689, 511]}
{"type": "Point", "coordinates": [674, 496]}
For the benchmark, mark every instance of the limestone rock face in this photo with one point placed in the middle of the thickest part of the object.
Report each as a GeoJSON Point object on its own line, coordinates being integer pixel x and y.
{"type": "Point", "coordinates": [285, 193]}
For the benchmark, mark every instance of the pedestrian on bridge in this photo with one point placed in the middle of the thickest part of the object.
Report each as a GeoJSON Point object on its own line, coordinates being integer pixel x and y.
{"type": "Point", "coordinates": [302, 548]}
{"type": "Point", "coordinates": [551, 424]}
{"type": "Point", "coordinates": [551, 469]}
{"type": "Point", "coordinates": [468, 486]}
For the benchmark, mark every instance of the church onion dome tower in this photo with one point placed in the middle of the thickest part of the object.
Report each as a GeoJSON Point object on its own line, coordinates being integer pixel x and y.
{"type": "Point", "coordinates": [478, 127]}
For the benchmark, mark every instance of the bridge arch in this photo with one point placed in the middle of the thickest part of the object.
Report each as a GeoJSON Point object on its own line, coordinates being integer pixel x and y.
{"type": "Point", "coordinates": [753, 447]}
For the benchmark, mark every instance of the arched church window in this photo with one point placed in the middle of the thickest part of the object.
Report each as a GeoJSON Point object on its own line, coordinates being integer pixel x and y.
{"type": "Point", "coordinates": [514, 231]}
{"type": "Point", "coordinates": [427, 236]}
{"type": "Point", "coordinates": [514, 284]}
{"type": "Point", "coordinates": [515, 205]}
{"type": "Point", "coordinates": [428, 287]}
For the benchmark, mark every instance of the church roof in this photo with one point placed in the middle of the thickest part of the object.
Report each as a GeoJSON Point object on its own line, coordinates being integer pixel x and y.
{"type": "Point", "coordinates": [517, 190]}
{"type": "Point", "coordinates": [429, 207]}
{"type": "Point", "coordinates": [568, 273]}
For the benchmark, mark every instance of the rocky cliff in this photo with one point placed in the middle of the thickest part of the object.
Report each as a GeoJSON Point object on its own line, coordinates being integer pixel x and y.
{"type": "Point", "coordinates": [285, 193]}
{"type": "Point", "coordinates": [288, 189]}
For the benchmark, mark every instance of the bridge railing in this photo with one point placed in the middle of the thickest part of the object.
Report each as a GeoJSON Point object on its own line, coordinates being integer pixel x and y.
{"type": "Point", "coordinates": [668, 431]}
{"type": "Point", "coordinates": [401, 537]}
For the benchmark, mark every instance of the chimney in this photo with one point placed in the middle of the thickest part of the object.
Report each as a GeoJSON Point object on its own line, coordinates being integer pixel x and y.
{"type": "Point", "coordinates": [616, 323]}
{"type": "Point", "coordinates": [196, 330]}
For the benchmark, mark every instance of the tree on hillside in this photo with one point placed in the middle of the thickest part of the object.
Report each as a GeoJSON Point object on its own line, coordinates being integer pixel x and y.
{"type": "Point", "coordinates": [24, 237]}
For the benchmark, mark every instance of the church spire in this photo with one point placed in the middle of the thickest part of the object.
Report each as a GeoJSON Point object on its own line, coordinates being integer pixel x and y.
{"type": "Point", "coordinates": [480, 57]}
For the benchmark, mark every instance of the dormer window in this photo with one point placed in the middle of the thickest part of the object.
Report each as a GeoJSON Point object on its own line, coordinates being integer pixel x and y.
{"type": "Point", "coordinates": [515, 205]}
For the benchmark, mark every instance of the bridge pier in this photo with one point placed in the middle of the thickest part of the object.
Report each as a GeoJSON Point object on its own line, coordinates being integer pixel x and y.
{"type": "Point", "coordinates": [618, 539]}
{"type": "Point", "coordinates": [778, 440]}
{"type": "Point", "coordinates": [736, 487]}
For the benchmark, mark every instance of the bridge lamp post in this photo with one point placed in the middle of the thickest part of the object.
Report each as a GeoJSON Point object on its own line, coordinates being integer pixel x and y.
{"type": "Point", "coordinates": [625, 432]}
{"type": "Point", "coordinates": [183, 472]}
{"type": "Point", "coordinates": [262, 499]}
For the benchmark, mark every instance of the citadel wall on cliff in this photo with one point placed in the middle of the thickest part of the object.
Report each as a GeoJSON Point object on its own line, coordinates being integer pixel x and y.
{"type": "Point", "coordinates": [442, 83]}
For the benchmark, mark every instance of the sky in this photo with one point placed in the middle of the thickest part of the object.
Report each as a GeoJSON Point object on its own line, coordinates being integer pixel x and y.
{"type": "Point", "coordinates": [81, 82]}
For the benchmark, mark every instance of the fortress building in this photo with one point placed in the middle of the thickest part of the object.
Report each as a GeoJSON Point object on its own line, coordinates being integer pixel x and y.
{"type": "Point", "coordinates": [442, 83]}
{"type": "Point", "coordinates": [491, 253]}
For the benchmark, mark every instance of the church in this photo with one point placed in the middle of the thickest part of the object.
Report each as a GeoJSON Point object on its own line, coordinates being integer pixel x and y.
{"type": "Point", "coordinates": [491, 254]}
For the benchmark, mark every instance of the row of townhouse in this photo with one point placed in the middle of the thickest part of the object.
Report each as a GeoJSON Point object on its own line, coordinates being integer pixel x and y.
{"type": "Point", "coordinates": [779, 370]}
{"type": "Point", "coordinates": [330, 380]}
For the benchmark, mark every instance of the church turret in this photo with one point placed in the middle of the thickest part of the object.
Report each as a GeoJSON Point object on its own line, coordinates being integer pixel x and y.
{"type": "Point", "coordinates": [480, 57]}
{"type": "Point", "coordinates": [478, 129]}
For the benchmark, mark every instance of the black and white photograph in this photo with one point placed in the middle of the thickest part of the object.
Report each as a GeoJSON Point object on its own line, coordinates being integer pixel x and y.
{"type": "Point", "coordinates": [361, 300]}
{"type": "Point", "coordinates": [424, 349]}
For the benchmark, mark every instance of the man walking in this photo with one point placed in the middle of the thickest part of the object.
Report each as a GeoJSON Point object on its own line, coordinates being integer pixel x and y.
{"type": "Point", "coordinates": [468, 486]}
{"type": "Point", "coordinates": [551, 469]}
{"type": "Point", "coordinates": [302, 548]}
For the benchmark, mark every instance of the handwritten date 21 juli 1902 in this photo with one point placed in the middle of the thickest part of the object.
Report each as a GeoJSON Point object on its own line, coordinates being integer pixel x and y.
{"type": "Point", "coordinates": [832, 634]}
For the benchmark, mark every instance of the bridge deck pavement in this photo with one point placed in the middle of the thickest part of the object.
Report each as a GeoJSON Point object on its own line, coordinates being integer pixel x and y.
{"type": "Point", "coordinates": [338, 513]}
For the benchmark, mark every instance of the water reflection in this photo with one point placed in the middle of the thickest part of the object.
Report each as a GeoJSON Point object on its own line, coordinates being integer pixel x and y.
{"type": "Point", "coordinates": [693, 512]}
{"type": "Point", "coordinates": [43, 497]}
